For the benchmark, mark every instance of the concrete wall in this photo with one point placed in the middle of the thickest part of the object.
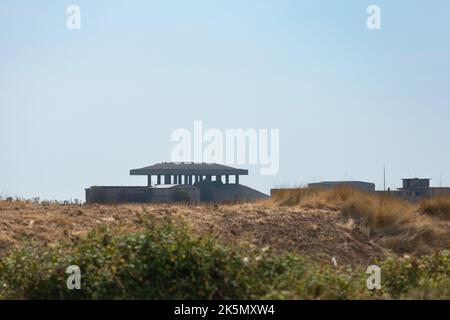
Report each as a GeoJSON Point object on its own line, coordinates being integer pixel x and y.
{"type": "Point", "coordinates": [223, 193]}
{"type": "Point", "coordinates": [439, 192]}
{"type": "Point", "coordinates": [417, 194]}
{"type": "Point", "coordinates": [181, 193]}
{"type": "Point", "coordinates": [116, 195]}
{"type": "Point", "coordinates": [359, 185]}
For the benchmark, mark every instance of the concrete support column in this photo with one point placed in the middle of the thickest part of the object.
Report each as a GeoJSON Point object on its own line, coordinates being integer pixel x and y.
{"type": "Point", "coordinates": [175, 179]}
{"type": "Point", "coordinates": [167, 179]}
{"type": "Point", "coordinates": [185, 179]}
{"type": "Point", "coordinates": [227, 179]}
{"type": "Point", "coordinates": [149, 181]}
{"type": "Point", "coordinates": [236, 179]}
{"type": "Point", "coordinates": [218, 178]}
{"type": "Point", "coordinates": [179, 179]}
{"type": "Point", "coordinates": [209, 178]}
{"type": "Point", "coordinates": [159, 179]}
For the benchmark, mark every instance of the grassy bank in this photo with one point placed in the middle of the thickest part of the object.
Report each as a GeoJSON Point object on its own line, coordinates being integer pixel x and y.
{"type": "Point", "coordinates": [165, 261]}
{"type": "Point", "coordinates": [401, 226]}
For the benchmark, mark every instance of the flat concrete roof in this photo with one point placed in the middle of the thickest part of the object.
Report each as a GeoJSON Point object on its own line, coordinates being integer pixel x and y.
{"type": "Point", "coordinates": [339, 182]}
{"type": "Point", "coordinates": [189, 168]}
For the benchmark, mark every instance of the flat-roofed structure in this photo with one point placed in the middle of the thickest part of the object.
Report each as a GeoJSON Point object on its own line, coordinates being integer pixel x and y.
{"type": "Point", "coordinates": [359, 185]}
{"type": "Point", "coordinates": [180, 182]}
{"type": "Point", "coordinates": [188, 173]}
{"type": "Point", "coordinates": [416, 189]}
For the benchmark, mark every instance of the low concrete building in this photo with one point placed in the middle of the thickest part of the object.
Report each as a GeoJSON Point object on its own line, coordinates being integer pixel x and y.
{"type": "Point", "coordinates": [180, 182]}
{"type": "Point", "coordinates": [359, 185]}
{"type": "Point", "coordinates": [416, 189]}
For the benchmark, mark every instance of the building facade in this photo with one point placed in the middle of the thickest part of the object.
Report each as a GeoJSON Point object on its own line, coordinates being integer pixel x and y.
{"type": "Point", "coordinates": [180, 182]}
{"type": "Point", "coordinates": [416, 189]}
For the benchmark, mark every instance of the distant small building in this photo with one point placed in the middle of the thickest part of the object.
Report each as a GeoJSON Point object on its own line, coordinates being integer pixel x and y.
{"type": "Point", "coordinates": [359, 185]}
{"type": "Point", "coordinates": [415, 189]}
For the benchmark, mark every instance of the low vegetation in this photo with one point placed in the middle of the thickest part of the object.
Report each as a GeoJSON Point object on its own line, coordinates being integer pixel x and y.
{"type": "Point", "coordinates": [301, 244]}
{"type": "Point", "coordinates": [168, 262]}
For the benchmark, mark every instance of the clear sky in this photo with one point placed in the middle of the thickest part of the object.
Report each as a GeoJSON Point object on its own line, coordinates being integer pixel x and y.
{"type": "Point", "coordinates": [82, 107]}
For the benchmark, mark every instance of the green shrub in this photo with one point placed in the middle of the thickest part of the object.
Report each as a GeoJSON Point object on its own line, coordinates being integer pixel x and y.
{"type": "Point", "coordinates": [167, 262]}
{"type": "Point", "coordinates": [163, 263]}
{"type": "Point", "coordinates": [407, 277]}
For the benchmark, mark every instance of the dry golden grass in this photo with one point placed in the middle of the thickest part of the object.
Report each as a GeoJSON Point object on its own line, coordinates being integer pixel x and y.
{"type": "Point", "coordinates": [437, 207]}
{"type": "Point", "coordinates": [351, 226]}
{"type": "Point", "coordinates": [398, 225]}
{"type": "Point", "coordinates": [317, 233]}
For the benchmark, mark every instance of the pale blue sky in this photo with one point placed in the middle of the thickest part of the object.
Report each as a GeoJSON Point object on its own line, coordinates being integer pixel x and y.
{"type": "Point", "coordinates": [81, 108]}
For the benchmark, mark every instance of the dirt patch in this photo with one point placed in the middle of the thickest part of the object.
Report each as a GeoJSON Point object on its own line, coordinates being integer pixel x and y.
{"type": "Point", "coordinates": [319, 234]}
